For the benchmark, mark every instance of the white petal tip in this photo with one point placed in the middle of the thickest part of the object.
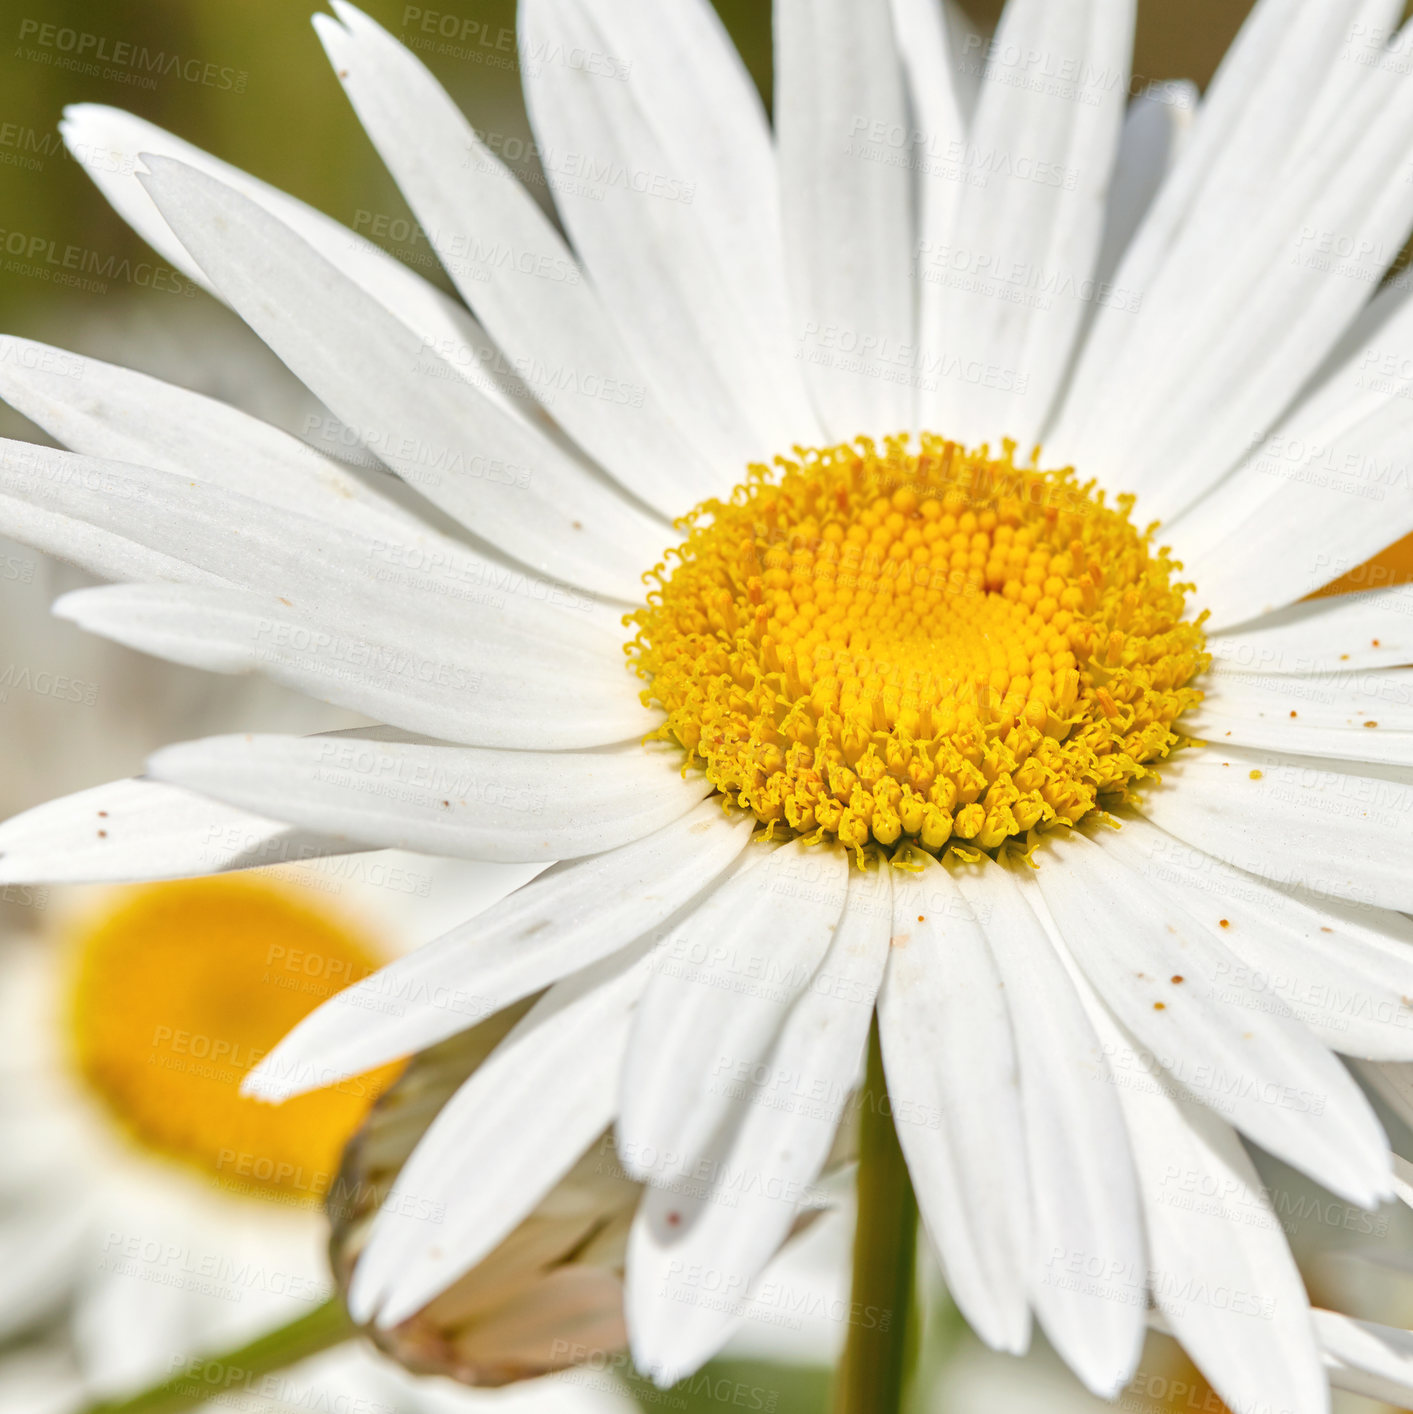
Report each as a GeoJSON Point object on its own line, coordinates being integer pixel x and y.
{"type": "Point", "coordinates": [329, 30]}
{"type": "Point", "coordinates": [400, 1307]}
{"type": "Point", "coordinates": [362, 1301]}
{"type": "Point", "coordinates": [260, 1085]}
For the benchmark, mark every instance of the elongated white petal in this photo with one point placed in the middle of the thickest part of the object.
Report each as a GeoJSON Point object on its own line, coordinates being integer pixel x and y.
{"type": "Point", "coordinates": [954, 1088]}
{"type": "Point", "coordinates": [1366, 1358]}
{"type": "Point", "coordinates": [560, 1067]}
{"type": "Point", "coordinates": [1394, 1084]}
{"type": "Point", "coordinates": [512, 266]}
{"type": "Point", "coordinates": [1162, 973]}
{"type": "Point", "coordinates": [469, 693]}
{"type": "Point", "coordinates": [1345, 972]}
{"type": "Point", "coordinates": [569, 917]}
{"type": "Point", "coordinates": [1334, 827]}
{"type": "Point", "coordinates": [1083, 1193]}
{"type": "Point", "coordinates": [1351, 717]}
{"type": "Point", "coordinates": [773, 1151]}
{"type": "Point", "coordinates": [1156, 127]}
{"type": "Point", "coordinates": [102, 410]}
{"type": "Point", "coordinates": [839, 95]}
{"type": "Point", "coordinates": [1246, 127]}
{"type": "Point", "coordinates": [697, 99]}
{"type": "Point", "coordinates": [638, 232]}
{"type": "Point", "coordinates": [942, 161]}
{"type": "Point", "coordinates": [1341, 633]}
{"type": "Point", "coordinates": [39, 490]}
{"type": "Point", "coordinates": [723, 983]}
{"type": "Point", "coordinates": [1233, 376]}
{"type": "Point", "coordinates": [463, 801]}
{"type": "Point", "coordinates": [1300, 512]}
{"type": "Point", "coordinates": [107, 143]}
{"type": "Point", "coordinates": [1048, 229]}
{"type": "Point", "coordinates": [135, 829]}
{"type": "Point", "coordinates": [136, 522]}
{"type": "Point", "coordinates": [505, 481]}
{"type": "Point", "coordinates": [1334, 463]}
{"type": "Point", "coordinates": [1220, 1272]}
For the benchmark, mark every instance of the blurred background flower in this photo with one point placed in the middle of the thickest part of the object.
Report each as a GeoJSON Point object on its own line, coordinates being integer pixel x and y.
{"type": "Point", "coordinates": [145, 1217]}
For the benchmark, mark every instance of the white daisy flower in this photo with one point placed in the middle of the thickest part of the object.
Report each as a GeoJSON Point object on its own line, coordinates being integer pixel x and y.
{"type": "Point", "coordinates": [932, 654]}
{"type": "Point", "coordinates": [148, 1207]}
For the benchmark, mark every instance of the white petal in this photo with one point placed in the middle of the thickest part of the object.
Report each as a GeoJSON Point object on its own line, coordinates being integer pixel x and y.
{"type": "Point", "coordinates": [1320, 495]}
{"type": "Point", "coordinates": [1161, 972]}
{"type": "Point", "coordinates": [567, 918]}
{"type": "Point", "coordinates": [630, 206]}
{"type": "Point", "coordinates": [199, 533]}
{"type": "Point", "coordinates": [1278, 301]}
{"type": "Point", "coordinates": [839, 95]}
{"type": "Point", "coordinates": [1155, 129]}
{"type": "Point", "coordinates": [38, 487]}
{"type": "Point", "coordinates": [954, 1089]}
{"type": "Point", "coordinates": [941, 160]}
{"type": "Point", "coordinates": [472, 692]}
{"type": "Point", "coordinates": [1084, 1197]}
{"type": "Point", "coordinates": [767, 1158]}
{"type": "Point", "coordinates": [1329, 826]}
{"type": "Point", "coordinates": [1222, 206]}
{"type": "Point", "coordinates": [463, 801]}
{"type": "Point", "coordinates": [1219, 1268]}
{"type": "Point", "coordinates": [502, 479]}
{"type": "Point", "coordinates": [136, 829]}
{"type": "Point", "coordinates": [1343, 632]}
{"type": "Point", "coordinates": [512, 266]}
{"type": "Point", "coordinates": [1345, 972]}
{"type": "Point", "coordinates": [1065, 125]}
{"type": "Point", "coordinates": [1364, 717]}
{"type": "Point", "coordinates": [1228, 126]}
{"type": "Point", "coordinates": [1394, 1084]}
{"type": "Point", "coordinates": [558, 1069]}
{"type": "Point", "coordinates": [1365, 1358]}
{"type": "Point", "coordinates": [724, 981]}
{"type": "Point", "coordinates": [702, 105]}
{"type": "Point", "coordinates": [107, 143]}
{"type": "Point", "coordinates": [102, 410]}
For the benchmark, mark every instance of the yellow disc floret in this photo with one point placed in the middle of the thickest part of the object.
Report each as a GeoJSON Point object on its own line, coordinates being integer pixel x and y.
{"type": "Point", "coordinates": [178, 990]}
{"type": "Point", "coordinates": [922, 646]}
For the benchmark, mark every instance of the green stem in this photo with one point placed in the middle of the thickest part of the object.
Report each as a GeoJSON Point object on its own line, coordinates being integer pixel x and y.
{"type": "Point", "coordinates": [873, 1372]}
{"type": "Point", "coordinates": [201, 1379]}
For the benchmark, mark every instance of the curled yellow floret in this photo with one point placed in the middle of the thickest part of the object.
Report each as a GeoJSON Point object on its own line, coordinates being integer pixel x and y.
{"type": "Point", "coordinates": [917, 645]}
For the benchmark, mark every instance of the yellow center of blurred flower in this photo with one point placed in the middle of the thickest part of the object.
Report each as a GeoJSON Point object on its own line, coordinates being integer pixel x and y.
{"type": "Point", "coordinates": [178, 990]}
{"type": "Point", "coordinates": [932, 647]}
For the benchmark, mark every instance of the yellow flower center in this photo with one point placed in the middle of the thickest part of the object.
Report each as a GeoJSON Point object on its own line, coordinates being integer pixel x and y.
{"type": "Point", "coordinates": [932, 646]}
{"type": "Point", "coordinates": [178, 990]}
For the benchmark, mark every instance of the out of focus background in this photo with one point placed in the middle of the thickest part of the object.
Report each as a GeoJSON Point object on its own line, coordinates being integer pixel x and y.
{"type": "Point", "coordinates": [248, 81]}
